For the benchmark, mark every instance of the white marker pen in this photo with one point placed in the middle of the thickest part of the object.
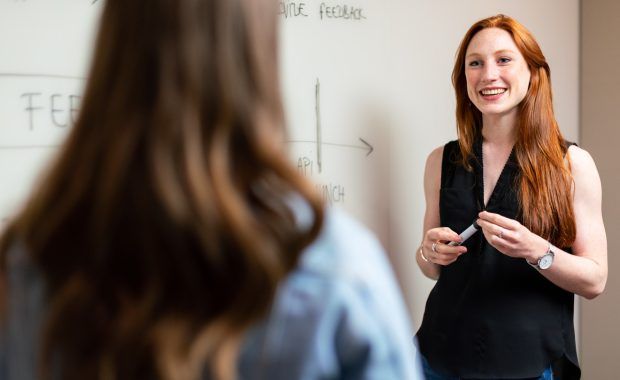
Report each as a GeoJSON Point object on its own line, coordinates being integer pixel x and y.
{"type": "Point", "coordinates": [466, 234]}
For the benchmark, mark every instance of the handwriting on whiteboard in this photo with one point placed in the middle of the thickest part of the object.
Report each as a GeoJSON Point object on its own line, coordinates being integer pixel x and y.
{"type": "Point", "coordinates": [323, 11]}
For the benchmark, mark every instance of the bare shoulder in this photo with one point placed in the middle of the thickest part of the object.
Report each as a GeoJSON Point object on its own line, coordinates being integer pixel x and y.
{"type": "Point", "coordinates": [586, 181]}
{"type": "Point", "coordinates": [432, 172]}
{"type": "Point", "coordinates": [582, 165]}
{"type": "Point", "coordinates": [433, 162]}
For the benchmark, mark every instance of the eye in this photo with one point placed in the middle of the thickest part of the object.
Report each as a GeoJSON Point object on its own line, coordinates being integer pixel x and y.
{"type": "Point", "coordinates": [504, 60]}
{"type": "Point", "coordinates": [474, 63]}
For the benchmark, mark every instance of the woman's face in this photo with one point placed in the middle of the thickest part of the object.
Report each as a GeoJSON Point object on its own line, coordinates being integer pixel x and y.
{"type": "Point", "coordinates": [497, 74]}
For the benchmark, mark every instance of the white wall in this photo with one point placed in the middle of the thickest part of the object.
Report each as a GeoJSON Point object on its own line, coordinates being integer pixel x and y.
{"type": "Point", "coordinates": [384, 78]}
{"type": "Point", "coordinates": [44, 52]}
{"type": "Point", "coordinates": [600, 100]}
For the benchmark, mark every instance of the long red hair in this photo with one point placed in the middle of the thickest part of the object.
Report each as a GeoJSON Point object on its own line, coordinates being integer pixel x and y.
{"type": "Point", "coordinates": [545, 183]}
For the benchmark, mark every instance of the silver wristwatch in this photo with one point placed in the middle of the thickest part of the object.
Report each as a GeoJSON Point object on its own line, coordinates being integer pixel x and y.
{"type": "Point", "coordinates": [545, 261]}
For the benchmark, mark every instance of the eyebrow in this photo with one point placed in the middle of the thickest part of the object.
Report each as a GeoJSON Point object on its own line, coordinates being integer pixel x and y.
{"type": "Point", "coordinates": [503, 51]}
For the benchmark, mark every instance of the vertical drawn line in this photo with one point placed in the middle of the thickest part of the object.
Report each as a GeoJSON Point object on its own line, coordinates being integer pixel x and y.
{"type": "Point", "coordinates": [317, 92]}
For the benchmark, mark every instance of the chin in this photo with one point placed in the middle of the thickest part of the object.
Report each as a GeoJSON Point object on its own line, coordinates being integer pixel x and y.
{"type": "Point", "coordinates": [494, 110]}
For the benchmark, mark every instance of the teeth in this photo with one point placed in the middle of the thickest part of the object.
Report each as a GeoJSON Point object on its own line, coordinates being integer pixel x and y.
{"type": "Point", "coordinates": [494, 91]}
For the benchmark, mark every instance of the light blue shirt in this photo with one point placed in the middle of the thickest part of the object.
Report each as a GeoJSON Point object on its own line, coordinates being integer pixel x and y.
{"type": "Point", "coordinates": [338, 315]}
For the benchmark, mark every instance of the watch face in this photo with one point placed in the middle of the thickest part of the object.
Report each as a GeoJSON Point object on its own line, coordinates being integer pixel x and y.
{"type": "Point", "coordinates": [545, 261]}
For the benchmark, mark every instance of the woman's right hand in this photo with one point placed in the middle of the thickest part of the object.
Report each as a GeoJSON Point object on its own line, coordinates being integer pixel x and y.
{"type": "Point", "coordinates": [435, 246]}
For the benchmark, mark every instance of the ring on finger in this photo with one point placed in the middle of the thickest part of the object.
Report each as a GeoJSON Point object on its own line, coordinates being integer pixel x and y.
{"type": "Point", "coordinates": [433, 247]}
{"type": "Point", "coordinates": [500, 234]}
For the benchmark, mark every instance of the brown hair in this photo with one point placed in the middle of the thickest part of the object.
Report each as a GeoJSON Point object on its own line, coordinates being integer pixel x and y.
{"type": "Point", "coordinates": [545, 182]}
{"type": "Point", "coordinates": [165, 224]}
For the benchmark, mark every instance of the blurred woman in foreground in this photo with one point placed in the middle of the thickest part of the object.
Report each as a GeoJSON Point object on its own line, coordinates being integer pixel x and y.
{"type": "Point", "coordinates": [172, 239]}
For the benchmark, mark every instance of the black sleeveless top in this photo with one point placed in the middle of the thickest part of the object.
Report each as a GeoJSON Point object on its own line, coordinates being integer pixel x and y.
{"type": "Point", "coordinates": [491, 316]}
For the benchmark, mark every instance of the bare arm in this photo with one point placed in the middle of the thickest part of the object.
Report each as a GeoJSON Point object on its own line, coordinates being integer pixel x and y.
{"type": "Point", "coordinates": [443, 254]}
{"type": "Point", "coordinates": [585, 271]}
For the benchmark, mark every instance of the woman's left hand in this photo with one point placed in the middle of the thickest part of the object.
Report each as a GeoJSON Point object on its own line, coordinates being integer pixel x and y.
{"type": "Point", "coordinates": [511, 237]}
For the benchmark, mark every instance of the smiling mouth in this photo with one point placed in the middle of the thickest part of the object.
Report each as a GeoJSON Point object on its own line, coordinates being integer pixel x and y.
{"type": "Point", "coordinates": [492, 91]}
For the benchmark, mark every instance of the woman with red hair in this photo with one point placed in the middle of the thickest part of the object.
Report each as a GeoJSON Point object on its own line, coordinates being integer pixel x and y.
{"type": "Point", "coordinates": [502, 307]}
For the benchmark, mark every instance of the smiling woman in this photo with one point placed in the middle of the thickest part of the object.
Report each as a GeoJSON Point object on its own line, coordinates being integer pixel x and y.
{"type": "Point", "coordinates": [502, 307]}
{"type": "Point", "coordinates": [497, 74]}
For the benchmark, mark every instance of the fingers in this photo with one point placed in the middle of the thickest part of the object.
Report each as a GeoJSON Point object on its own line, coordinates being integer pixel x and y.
{"type": "Point", "coordinates": [437, 251]}
{"type": "Point", "coordinates": [444, 254]}
{"type": "Point", "coordinates": [505, 240]}
{"type": "Point", "coordinates": [493, 231]}
{"type": "Point", "coordinates": [499, 220]}
{"type": "Point", "coordinates": [442, 234]}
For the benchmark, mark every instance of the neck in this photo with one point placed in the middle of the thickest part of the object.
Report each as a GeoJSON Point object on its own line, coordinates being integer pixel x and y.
{"type": "Point", "coordinates": [500, 129]}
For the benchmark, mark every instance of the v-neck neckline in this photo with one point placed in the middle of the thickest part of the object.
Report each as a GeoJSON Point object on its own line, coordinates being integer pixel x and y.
{"type": "Point", "coordinates": [502, 181]}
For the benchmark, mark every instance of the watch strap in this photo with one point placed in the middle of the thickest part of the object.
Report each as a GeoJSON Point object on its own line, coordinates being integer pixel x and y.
{"type": "Point", "coordinates": [537, 263]}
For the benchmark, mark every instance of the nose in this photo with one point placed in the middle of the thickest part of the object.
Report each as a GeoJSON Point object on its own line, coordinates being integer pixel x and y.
{"type": "Point", "coordinates": [490, 72]}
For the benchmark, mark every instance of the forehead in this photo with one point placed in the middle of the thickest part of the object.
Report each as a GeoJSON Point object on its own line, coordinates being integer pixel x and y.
{"type": "Point", "coordinates": [490, 40]}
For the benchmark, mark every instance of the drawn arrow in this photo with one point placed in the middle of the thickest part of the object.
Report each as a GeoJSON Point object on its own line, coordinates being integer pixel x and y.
{"type": "Point", "coordinates": [370, 147]}
{"type": "Point", "coordinates": [319, 138]}
{"type": "Point", "coordinates": [367, 147]}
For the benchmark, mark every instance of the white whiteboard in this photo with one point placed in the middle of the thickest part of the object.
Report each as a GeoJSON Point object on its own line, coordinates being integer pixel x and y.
{"type": "Point", "coordinates": [44, 53]}
{"type": "Point", "coordinates": [368, 96]}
